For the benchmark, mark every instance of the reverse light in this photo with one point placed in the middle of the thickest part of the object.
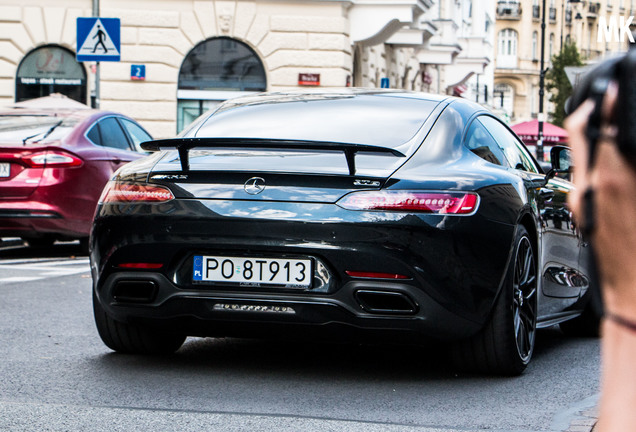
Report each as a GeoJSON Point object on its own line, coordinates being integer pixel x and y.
{"type": "Point", "coordinates": [52, 159]}
{"type": "Point", "coordinates": [134, 192]}
{"type": "Point", "coordinates": [448, 203]}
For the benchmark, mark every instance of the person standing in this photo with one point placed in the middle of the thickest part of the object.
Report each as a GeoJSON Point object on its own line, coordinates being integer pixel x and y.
{"type": "Point", "coordinates": [613, 180]}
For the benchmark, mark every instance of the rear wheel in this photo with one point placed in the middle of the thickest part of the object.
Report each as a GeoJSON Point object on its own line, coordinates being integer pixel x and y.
{"type": "Point", "coordinates": [84, 245]}
{"type": "Point", "coordinates": [40, 242]}
{"type": "Point", "coordinates": [133, 339]}
{"type": "Point", "coordinates": [505, 345]}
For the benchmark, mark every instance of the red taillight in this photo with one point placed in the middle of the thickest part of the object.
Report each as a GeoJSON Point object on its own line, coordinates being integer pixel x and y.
{"type": "Point", "coordinates": [52, 159]}
{"type": "Point", "coordinates": [134, 192]}
{"type": "Point", "coordinates": [140, 265]}
{"type": "Point", "coordinates": [457, 203]}
{"type": "Point", "coordinates": [375, 275]}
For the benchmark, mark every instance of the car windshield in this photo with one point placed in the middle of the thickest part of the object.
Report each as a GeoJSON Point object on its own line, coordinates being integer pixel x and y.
{"type": "Point", "coordinates": [34, 128]}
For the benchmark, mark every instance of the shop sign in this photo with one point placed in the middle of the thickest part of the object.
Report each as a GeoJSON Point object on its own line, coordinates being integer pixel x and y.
{"type": "Point", "coordinates": [309, 79]}
{"type": "Point", "coordinates": [51, 81]}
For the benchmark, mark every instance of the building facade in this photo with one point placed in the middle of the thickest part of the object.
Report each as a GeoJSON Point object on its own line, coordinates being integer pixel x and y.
{"type": "Point", "coordinates": [518, 45]}
{"type": "Point", "coordinates": [196, 53]}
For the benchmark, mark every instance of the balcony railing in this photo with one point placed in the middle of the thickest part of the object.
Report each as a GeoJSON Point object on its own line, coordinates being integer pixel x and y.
{"type": "Point", "coordinates": [593, 10]}
{"type": "Point", "coordinates": [508, 10]}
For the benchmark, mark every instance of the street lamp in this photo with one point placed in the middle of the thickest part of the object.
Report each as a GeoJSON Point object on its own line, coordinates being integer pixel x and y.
{"type": "Point", "coordinates": [541, 86]}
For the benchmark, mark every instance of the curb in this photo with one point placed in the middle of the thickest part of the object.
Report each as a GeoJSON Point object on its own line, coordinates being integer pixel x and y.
{"type": "Point", "coordinates": [586, 421]}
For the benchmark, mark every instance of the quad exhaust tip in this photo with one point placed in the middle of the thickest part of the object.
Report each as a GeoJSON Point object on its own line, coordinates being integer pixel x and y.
{"type": "Point", "coordinates": [385, 302]}
{"type": "Point", "coordinates": [135, 291]}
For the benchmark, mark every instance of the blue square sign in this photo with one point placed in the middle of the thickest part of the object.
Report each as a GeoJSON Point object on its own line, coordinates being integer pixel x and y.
{"type": "Point", "coordinates": [138, 72]}
{"type": "Point", "coordinates": [98, 39]}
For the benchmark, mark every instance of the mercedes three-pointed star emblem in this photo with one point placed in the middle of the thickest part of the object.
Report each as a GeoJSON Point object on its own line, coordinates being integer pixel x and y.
{"type": "Point", "coordinates": [254, 186]}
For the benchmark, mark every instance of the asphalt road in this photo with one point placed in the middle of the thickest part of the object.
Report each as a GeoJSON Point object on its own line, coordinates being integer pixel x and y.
{"type": "Point", "coordinates": [56, 375]}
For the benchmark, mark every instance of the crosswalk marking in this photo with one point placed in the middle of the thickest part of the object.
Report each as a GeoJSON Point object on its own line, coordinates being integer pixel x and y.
{"type": "Point", "coordinates": [26, 270]}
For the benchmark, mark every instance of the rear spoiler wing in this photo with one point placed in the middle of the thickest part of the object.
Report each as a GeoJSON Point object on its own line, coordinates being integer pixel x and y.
{"type": "Point", "coordinates": [184, 145]}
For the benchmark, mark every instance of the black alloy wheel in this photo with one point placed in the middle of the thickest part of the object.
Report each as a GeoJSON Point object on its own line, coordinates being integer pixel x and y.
{"type": "Point", "coordinates": [524, 299]}
{"type": "Point", "coordinates": [506, 343]}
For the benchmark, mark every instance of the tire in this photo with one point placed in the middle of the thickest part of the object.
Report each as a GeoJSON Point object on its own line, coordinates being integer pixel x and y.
{"type": "Point", "coordinates": [84, 245]}
{"type": "Point", "coordinates": [40, 242]}
{"type": "Point", "coordinates": [133, 339]}
{"type": "Point", "coordinates": [506, 344]}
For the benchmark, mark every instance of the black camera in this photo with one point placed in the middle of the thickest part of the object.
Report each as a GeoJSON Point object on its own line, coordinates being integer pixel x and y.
{"type": "Point", "coordinates": [621, 70]}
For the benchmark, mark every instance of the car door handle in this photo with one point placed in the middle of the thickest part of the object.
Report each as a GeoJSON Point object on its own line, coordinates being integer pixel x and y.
{"type": "Point", "coordinates": [546, 194]}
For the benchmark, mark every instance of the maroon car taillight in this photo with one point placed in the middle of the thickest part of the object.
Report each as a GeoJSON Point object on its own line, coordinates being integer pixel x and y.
{"type": "Point", "coordinates": [134, 192]}
{"type": "Point", "coordinates": [52, 159]}
{"type": "Point", "coordinates": [448, 203]}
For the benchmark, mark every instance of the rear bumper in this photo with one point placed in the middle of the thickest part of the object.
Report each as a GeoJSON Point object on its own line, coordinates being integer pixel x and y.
{"type": "Point", "coordinates": [224, 313]}
{"type": "Point", "coordinates": [63, 209]}
{"type": "Point", "coordinates": [28, 218]}
{"type": "Point", "coordinates": [454, 268]}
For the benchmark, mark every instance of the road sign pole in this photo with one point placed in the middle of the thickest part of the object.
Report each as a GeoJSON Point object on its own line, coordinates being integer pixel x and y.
{"type": "Point", "coordinates": [97, 77]}
{"type": "Point", "coordinates": [97, 95]}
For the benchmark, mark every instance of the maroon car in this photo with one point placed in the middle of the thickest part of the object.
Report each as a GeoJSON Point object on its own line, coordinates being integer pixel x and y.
{"type": "Point", "coordinates": [54, 165]}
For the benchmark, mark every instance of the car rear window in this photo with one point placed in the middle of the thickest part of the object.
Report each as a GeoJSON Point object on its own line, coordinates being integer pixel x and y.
{"type": "Point", "coordinates": [34, 128]}
{"type": "Point", "coordinates": [386, 121]}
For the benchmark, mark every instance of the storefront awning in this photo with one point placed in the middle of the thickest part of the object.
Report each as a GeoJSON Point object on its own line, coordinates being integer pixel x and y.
{"type": "Point", "coordinates": [529, 132]}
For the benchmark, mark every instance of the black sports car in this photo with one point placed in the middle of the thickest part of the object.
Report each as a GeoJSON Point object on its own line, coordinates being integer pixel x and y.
{"type": "Point", "coordinates": [347, 213]}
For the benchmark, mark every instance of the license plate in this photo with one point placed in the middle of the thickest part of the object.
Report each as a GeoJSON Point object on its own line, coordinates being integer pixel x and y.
{"type": "Point", "coordinates": [253, 271]}
{"type": "Point", "coordinates": [5, 170]}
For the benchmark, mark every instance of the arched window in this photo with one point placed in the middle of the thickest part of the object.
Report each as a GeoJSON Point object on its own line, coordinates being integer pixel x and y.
{"type": "Point", "coordinates": [213, 71]}
{"type": "Point", "coordinates": [507, 55]}
{"type": "Point", "coordinates": [50, 69]}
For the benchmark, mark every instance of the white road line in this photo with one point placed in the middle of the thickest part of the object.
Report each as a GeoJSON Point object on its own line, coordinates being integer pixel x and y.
{"type": "Point", "coordinates": [45, 261]}
{"type": "Point", "coordinates": [42, 269]}
{"type": "Point", "coordinates": [19, 279]}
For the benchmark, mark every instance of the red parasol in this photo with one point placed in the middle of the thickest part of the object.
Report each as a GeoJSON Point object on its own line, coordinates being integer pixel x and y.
{"type": "Point", "coordinates": [529, 133]}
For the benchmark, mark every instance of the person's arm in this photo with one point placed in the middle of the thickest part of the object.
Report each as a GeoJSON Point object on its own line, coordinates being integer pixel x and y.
{"type": "Point", "coordinates": [613, 180]}
{"type": "Point", "coordinates": [617, 411]}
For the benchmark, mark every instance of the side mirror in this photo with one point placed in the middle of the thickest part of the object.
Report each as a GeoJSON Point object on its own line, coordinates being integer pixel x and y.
{"type": "Point", "coordinates": [561, 162]}
{"type": "Point", "coordinates": [561, 159]}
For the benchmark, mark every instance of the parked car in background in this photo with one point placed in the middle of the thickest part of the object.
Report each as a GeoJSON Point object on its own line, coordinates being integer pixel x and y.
{"type": "Point", "coordinates": [380, 213]}
{"type": "Point", "coordinates": [54, 163]}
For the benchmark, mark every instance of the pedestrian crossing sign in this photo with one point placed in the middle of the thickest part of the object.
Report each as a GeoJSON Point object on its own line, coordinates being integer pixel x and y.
{"type": "Point", "coordinates": [98, 39]}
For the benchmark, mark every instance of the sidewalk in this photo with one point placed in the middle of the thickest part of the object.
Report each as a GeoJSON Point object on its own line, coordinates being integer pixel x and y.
{"type": "Point", "coordinates": [586, 422]}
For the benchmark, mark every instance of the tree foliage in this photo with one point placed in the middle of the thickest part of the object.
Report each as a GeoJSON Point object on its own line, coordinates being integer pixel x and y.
{"type": "Point", "coordinates": [557, 82]}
